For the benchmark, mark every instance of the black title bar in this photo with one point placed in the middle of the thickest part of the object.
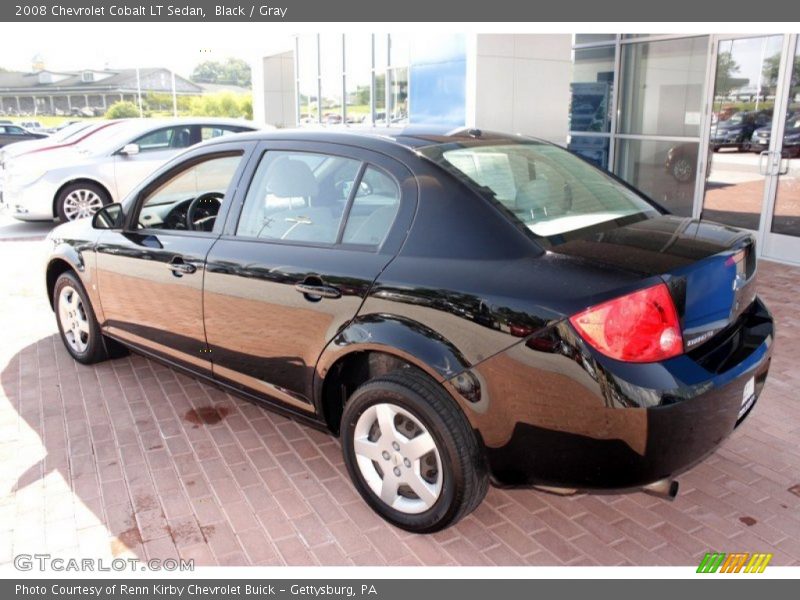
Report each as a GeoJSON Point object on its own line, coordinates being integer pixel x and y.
{"type": "Point", "coordinates": [603, 11]}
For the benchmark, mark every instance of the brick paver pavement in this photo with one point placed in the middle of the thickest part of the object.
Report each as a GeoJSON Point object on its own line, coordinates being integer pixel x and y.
{"type": "Point", "coordinates": [130, 458]}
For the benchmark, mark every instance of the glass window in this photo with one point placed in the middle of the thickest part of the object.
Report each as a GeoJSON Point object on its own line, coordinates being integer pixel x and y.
{"type": "Point", "coordinates": [358, 77]}
{"type": "Point", "coordinates": [662, 87]}
{"type": "Point", "coordinates": [331, 72]}
{"type": "Point", "coordinates": [166, 139]}
{"type": "Point", "coordinates": [398, 95]}
{"type": "Point", "coordinates": [786, 217]}
{"type": "Point", "coordinates": [380, 98]}
{"type": "Point", "coordinates": [592, 148]}
{"type": "Point", "coordinates": [548, 189]}
{"type": "Point", "coordinates": [191, 199]}
{"type": "Point", "coordinates": [593, 38]}
{"type": "Point", "coordinates": [308, 78]}
{"type": "Point", "coordinates": [298, 196]}
{"type": "Point", "coordinates": [592, 84]}
{"type": "Point", "coordinates": [381, 50]}
{"type": "Point", "coordinates": [665, 171]}
{"type": "Point", "coordinates": [399, 50]}
{"type": "Point", "coordinates": [211, 132]}
{"type": "Point", "coordinates": [373, 209]}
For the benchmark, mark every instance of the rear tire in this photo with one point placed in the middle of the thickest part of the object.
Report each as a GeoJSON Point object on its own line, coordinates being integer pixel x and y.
{"type": "Point", "coordinates": [411, 453]}
{"type": "Point", "coordinates": [77, 323]}
{"type": "Point", "coordinates": [79, 200]}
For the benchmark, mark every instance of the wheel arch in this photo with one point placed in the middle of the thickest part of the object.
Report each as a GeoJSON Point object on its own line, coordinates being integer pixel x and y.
{"type": "Point", "coordinates": [374, 345]}
{"type": "Point", "coordinates": [74, 180]}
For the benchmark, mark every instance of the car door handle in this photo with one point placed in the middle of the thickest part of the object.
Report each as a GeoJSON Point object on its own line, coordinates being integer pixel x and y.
{"type": "Point", "coordinates": [318, 291]}
{"type": "Point", "coordinates": [178, 267]}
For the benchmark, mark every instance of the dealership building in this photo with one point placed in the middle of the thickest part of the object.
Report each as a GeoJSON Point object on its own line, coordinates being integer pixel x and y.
{"type": "Point", "coordinates": [706, 125]}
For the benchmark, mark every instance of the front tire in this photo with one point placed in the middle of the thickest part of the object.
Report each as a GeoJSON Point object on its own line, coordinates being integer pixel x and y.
{"type": "Point", "coordinates": [77, 323]}
{"type": "Point", "coordinates": [411, 453]}
{"type": "Point", "coordinates": [79, 200]}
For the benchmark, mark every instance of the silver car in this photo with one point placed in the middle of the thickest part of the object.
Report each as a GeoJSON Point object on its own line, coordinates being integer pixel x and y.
{"type": "Point", "coordinates": [75, 181]}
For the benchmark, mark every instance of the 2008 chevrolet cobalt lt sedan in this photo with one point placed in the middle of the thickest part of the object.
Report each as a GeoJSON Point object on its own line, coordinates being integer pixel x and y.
{"type": "Point", "coordinates": [456, 306]}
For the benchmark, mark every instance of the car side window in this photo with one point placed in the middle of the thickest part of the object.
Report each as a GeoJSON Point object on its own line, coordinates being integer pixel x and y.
{"type": "Point", "coordinates": [373, 210]}
{"type": "Point", "coordinates": [208, 132]}
{"type": "Point", "coordinates": [190, 199]}
{"type": "Point", "coordinates": [169, 138]}
{"type": "Point", "coordinates": [298, 196]}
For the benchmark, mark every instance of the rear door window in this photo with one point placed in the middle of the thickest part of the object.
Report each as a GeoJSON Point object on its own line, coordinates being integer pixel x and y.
{"type": "Point", "coordinates": [166, 139]}
{"type": "Point", "coordinates": [373, 210]}
{"type": "Point", "coordinates": [298, 197]}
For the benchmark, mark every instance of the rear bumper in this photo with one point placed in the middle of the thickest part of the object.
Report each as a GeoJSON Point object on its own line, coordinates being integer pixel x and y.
{"type": "Point", "coordinates": [553, 413]}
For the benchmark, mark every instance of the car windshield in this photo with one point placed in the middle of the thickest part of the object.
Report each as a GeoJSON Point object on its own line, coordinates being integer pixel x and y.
{"type": "Point", "coordinates": [546, 188]}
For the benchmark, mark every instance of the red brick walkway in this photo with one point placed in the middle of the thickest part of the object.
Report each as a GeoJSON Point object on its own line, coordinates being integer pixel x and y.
{"type": "Point", "coordinates": [131, 458]}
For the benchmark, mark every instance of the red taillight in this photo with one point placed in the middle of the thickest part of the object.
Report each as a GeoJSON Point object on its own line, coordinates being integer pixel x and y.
{"type": "Point", "coordinates": [639, 327]}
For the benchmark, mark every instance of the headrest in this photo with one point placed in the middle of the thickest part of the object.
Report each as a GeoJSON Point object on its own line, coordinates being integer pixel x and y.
{"type": "Point", "coordinates": [289, 178]}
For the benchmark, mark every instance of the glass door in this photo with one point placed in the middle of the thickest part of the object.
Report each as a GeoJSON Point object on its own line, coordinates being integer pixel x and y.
{"type": "Point", "coordinates": [781, 237]}
{"type": "Point", "coordinates": [741, 134]}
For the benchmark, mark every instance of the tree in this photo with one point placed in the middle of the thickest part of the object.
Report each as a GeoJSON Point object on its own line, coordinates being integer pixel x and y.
{"type": "Point", "coordinates": [122, 110]}
{"type": "Point", "coordinates": [726, 69]}
{"type": "Point", "coordinates": [772, 67]}
{"type": "Point", "coordinates": [234, 71]}
{"type": "Point", "coordinates": [223, 104]}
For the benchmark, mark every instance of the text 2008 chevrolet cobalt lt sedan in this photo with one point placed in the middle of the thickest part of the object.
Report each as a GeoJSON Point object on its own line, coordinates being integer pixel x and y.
{"type": "Point", "coordinates": [458, 307]}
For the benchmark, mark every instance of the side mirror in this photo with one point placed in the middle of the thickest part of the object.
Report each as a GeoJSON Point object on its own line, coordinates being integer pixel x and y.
{"type": "Point", "coordinates": [109, 217]}
{"type": "Point", "coordinates": [130, 149]}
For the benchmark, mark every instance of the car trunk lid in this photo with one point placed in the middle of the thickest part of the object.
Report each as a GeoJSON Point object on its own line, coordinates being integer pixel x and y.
{"type": "Point", "coordinates": [709, 268]}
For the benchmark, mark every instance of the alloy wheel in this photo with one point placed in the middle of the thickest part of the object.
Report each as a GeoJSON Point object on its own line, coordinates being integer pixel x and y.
{"type": "Point", "coordinates": [72, 316]}
{"type": "Point", "coordinates": [682, 170]}
{"type": "Point", "coordinates": [398, 458]}
{"type": "Point", "coordinates": [81, 203]}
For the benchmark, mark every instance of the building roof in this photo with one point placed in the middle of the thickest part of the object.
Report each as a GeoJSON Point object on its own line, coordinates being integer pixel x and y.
{"type": "Point", "coordinates": [157, 79]}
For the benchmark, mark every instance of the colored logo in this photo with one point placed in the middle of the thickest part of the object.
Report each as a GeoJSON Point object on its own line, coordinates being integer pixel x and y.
{"type": "Point", "coordinates": [735, 562]}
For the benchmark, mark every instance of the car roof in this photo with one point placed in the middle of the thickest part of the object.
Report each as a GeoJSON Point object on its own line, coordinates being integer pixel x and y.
{"type": "Point", "coordinates": [131, 128]}
{"type": "Point", "coordinates": [411, 137]}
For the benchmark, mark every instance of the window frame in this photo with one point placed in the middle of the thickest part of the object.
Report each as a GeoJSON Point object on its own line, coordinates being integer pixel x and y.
{"type": "Point", "coordinates": [364, 157]}
{"type": "Point", "coordinates": [180, 164]}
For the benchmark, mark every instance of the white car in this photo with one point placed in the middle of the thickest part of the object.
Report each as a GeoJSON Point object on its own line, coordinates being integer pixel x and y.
{"type": "Point", "coordinates": [71, 135]}
{"type": "Point", "coordinates": [74, 181]}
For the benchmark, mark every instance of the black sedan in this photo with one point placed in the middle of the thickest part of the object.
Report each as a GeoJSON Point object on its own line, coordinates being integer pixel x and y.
{"type": "Point", "coordinates": [10, 133]}
{"type": "Point", "coordinates": [458, 307]}
{"type": "Point", "coordinates": [737, 131]}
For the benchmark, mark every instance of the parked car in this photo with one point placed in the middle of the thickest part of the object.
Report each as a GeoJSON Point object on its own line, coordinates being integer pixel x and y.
{"type": "Point", "coordinates": [11, 134]}
{"type": "Point", "coordinates": [76, 180]}
{"type": "Point", "coordinates": [681, 162]}
{"type": "Point", "coordinates": [791, 137]}
{"type": "Point", "coordinates": [457, 306]}
{"type": "Point", "coordinates": [64, 125]}
{"type": "Point", "coordinates": [736, 131]}
{"type": "Point", "coordinates": [68, 136]}
{"type": "Point", "coordinates": [34, 126]}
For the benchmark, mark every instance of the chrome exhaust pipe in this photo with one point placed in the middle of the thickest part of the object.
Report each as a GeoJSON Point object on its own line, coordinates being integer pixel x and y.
{"type": "Point", "coordinates": [664, 488]}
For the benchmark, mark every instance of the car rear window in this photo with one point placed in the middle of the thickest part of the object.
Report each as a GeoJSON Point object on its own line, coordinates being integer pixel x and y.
{"type": "Point", "coordinates": [549, 190]}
